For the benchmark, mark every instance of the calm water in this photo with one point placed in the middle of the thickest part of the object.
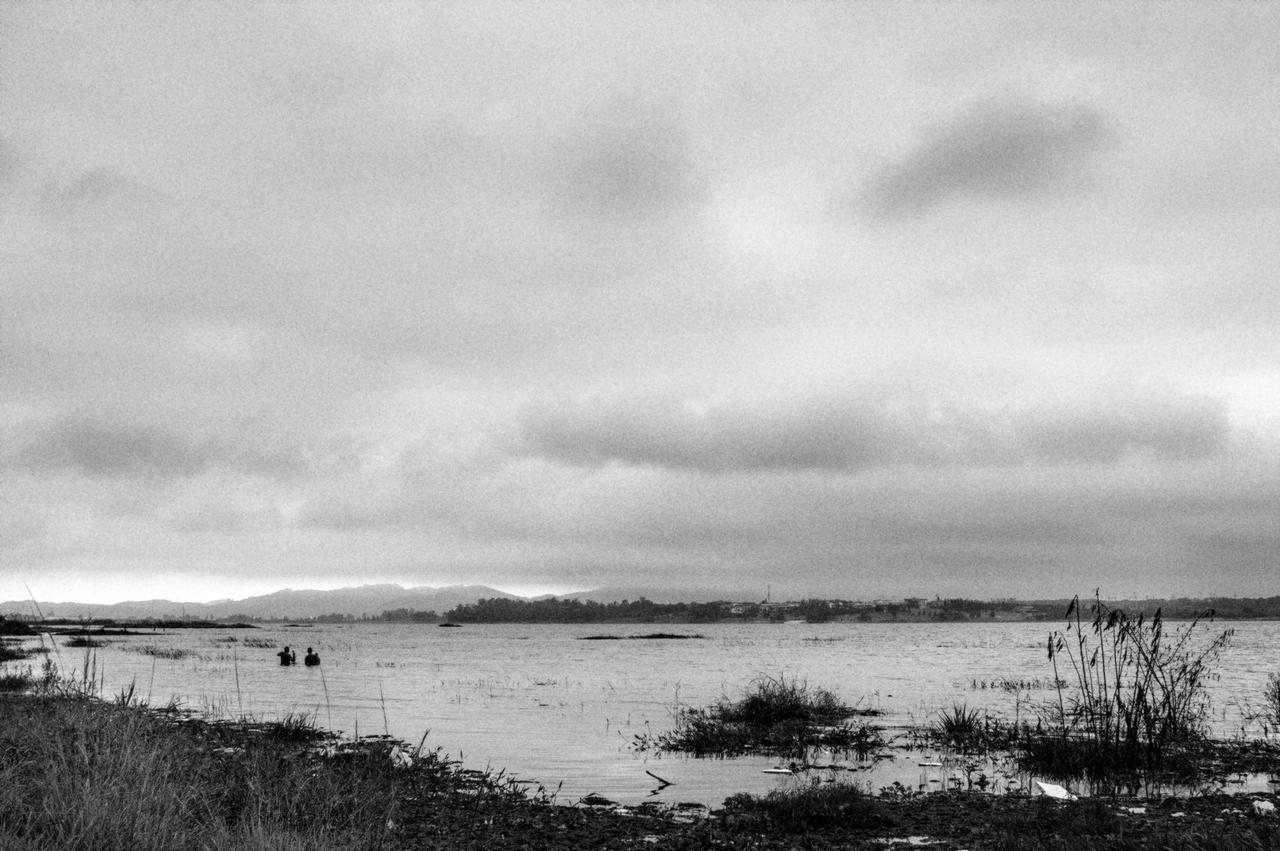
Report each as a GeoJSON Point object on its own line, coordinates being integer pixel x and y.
{"type": "Point", "coordinates": [543, 704]}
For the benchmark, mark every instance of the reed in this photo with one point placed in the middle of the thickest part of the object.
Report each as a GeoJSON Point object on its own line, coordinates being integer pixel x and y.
{"type": "Point", "coordinates": [1139, 700]}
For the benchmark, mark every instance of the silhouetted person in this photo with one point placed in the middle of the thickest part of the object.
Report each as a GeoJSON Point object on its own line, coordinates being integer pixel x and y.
{"type": "Point", "coordinates": [287, 656]}
{"type": "Point", "coordinates": [312, 658]}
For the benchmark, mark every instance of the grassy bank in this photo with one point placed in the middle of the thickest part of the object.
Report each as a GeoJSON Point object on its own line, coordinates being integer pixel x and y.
{"type": "Point", "coordinates": [81, 773]}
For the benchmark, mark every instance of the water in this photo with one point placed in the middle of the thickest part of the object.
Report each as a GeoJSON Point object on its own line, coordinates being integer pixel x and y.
{"type": "Point", "coordinates": [542, 704]}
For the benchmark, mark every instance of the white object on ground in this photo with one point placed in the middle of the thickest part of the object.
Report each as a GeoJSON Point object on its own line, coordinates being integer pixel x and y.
{"type": "Point", "coordinates": [1053, 790]}
{"type": "Point", "coordinates": [401, 758]}
{"type": "Point", "coordinates": [1264, 808]}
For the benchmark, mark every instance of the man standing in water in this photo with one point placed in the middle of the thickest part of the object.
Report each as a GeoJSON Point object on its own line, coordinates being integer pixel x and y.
{"type": "Point", "coordinates": [311, 659]}
{"type": "Point", "coordinates": [287, 656]}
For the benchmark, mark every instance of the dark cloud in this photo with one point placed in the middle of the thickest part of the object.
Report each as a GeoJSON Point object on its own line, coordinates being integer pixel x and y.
{"type": "Point", "coordinates": [863, 433]}
{"type": "Point", "coordinates": [635, 171]}
{"type": "Point", "coordinates": [1007, 149]}
{"type": "Point", "coordinates": [102, 449]}
{"type": "Point", "coordinates": [99, 449]}
{"type": "Point", "coordinates": [666, 432]}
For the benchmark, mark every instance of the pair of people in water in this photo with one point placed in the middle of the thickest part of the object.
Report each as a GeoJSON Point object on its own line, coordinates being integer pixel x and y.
{"type": "Point", "coordinates": [288, 657]}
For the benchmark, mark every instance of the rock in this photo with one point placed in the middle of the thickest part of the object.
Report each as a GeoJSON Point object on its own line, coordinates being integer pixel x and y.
{"type": "Point", "coordinates": [1264, 808]}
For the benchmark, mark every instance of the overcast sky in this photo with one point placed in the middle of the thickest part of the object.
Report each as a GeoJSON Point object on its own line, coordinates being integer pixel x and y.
{"type": "Point", "coordinates": [850, 299]}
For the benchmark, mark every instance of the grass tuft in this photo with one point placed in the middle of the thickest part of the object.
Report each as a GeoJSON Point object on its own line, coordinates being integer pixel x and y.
{"type": "Point", "coordinates": [776, 716]}
{"type": "Point", "coordinates": [814, 806]}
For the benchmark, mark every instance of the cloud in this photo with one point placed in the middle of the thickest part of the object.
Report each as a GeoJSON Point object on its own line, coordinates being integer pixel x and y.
{"type": "Point", "coordinates": [997, 149]}
{"type": "Point", "coordinates": [1107, 429]}
{"type": "Point", "coordinates": [630, 171]}
{"type": "Point", "coordinates": [100, 449]}
{"type": "Point", "coordinates": [8, 161]}
{"type": "Point", "coordinates": [675, 433]}
{"type": "Point", "coordinates": [855, 433]}
{"type": "Point", "coordinates": [97, 188]}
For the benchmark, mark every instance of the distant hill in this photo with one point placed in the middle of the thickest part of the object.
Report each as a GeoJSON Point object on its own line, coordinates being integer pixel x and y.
{"type": "Point", "coordinates": [286, 604]}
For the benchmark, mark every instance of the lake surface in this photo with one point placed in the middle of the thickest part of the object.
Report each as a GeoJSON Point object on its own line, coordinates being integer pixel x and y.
{"type": "Point", "coordinates": [543, 704]}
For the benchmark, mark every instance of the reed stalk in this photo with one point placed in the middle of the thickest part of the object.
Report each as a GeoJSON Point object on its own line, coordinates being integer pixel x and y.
{"type": "Point", "coordinates": [1139, 693]}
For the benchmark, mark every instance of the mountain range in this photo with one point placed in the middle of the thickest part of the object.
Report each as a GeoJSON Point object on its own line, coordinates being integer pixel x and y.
{"type": "Point", "coordinates": [356, 601]}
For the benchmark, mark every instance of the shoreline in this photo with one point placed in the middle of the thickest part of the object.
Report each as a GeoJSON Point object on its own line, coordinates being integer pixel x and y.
{"type": "Point", "coordinates": [125, 769]}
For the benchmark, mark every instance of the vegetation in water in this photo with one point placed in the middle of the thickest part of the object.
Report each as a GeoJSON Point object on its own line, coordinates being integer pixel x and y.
{"type": "Point", "coordinates": [173, 653]}
{"type": "Point", "coordinates": [777, 716]}
{"type": "Point", "coordinates": [1138, 705]}
{"type": "Point", "coordinates": [14, 653]}
{"type": "Point", "coordinates": [81, 641]}
{"type": "Point", "coordinates": [961, 728]}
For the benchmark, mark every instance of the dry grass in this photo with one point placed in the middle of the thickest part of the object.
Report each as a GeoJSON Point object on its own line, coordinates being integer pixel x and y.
{"type": "Point", "coordinates": [77, 773]}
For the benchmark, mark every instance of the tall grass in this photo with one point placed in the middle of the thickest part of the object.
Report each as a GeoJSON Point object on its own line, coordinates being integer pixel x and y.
{"type": "Point", "coordinates": [1137, 696]}
{"type": "Point", "coordinates": [83, 774]}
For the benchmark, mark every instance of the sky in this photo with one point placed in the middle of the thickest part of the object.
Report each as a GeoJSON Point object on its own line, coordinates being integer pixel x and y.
{"type": "Point", "coordinates": [858, 300]}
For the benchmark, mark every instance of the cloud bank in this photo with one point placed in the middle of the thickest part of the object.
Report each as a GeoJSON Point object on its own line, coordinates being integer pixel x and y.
{"type": "Point", "coordinates": [849, 434]}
